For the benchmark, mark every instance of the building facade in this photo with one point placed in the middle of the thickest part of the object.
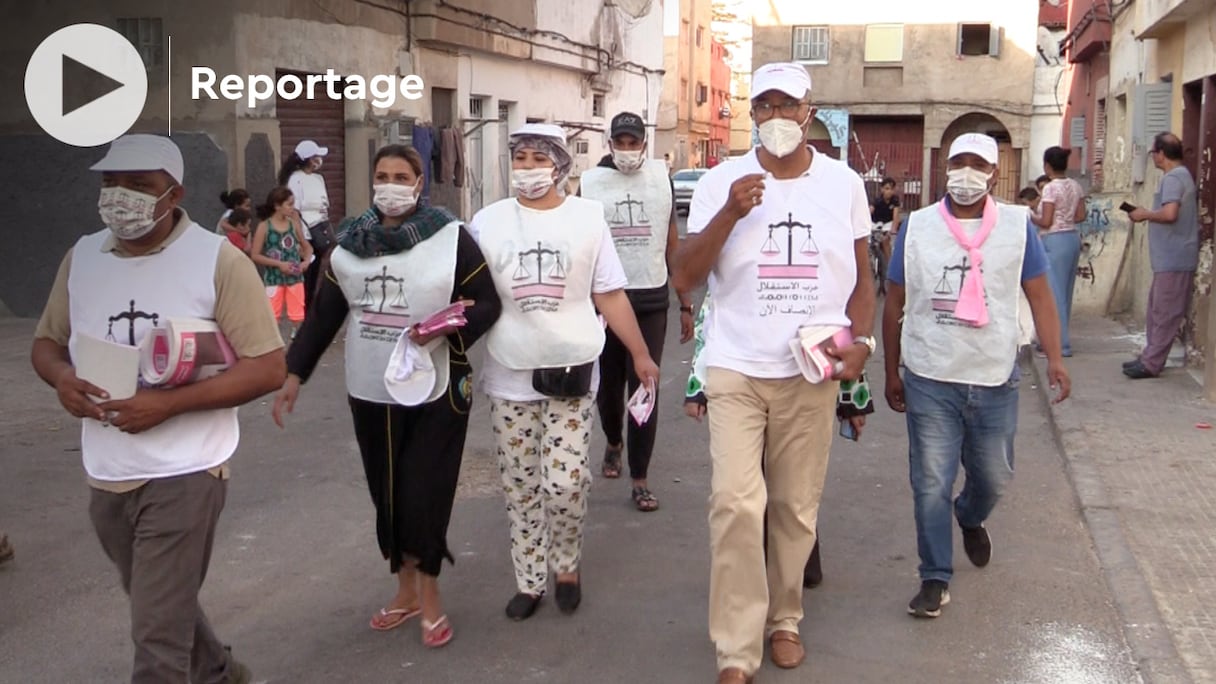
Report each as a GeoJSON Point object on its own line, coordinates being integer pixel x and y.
{"type": "Point", "coordinates": [896, 82]}
{"type": "Point", "coordinates": [486, 68]}
{"type": "Point", "coordinates": [720, 104]}
{"type": "Point", "coordinates": [686, 116]}
{"type": "Point", "coordinates": [1140, 67]}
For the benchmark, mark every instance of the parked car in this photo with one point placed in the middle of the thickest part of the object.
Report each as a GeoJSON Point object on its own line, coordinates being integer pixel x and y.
{"type": "Point", "coordinates": [685, 181]}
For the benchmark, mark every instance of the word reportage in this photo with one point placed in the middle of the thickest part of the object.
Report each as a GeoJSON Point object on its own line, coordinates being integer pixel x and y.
{"type": "Point", "coordinates": [255, 88]}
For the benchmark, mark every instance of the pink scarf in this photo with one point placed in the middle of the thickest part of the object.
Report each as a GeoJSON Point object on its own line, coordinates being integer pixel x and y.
{"type": "Point", "coordinates": [971, 307]}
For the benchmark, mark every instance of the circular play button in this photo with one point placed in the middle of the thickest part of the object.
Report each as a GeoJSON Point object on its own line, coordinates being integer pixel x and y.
{"type": "Point", "coordinates": [86, 84]}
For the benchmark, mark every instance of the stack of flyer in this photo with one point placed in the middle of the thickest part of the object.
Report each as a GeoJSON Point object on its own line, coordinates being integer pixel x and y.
{"type": "Point", "coordinates": [449, 317]}
{"type": "Point", "coordinates": [182, 351]}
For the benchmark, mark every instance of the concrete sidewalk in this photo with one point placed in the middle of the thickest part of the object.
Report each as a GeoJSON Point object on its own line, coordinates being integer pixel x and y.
{"type": "Point", "coordinates": [1144, 469]}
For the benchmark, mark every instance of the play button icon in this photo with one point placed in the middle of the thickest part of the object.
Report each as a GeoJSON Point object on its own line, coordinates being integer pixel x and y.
{"type": "Point", "coordinates": [86, 85]}
{"type": "Point", "coordinates": [82, 84]}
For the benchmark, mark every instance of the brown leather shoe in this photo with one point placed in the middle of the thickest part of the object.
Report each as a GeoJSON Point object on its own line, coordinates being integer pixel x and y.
{"type": "Point", "coordinates": [787, 649]}
{"type": "Point", "coordinates": [733, 675]}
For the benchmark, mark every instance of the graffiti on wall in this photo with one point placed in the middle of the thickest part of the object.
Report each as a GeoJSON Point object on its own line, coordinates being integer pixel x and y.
{"type": "Point", "coordinates": [1094, 230]}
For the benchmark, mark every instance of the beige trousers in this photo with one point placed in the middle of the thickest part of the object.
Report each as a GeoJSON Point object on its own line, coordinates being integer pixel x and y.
{"type": "Point", "coordinates": [787, 423]}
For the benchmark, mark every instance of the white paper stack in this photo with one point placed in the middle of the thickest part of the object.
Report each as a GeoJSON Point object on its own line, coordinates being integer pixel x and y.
{"type": "Point", "coordinates": [110, 366]}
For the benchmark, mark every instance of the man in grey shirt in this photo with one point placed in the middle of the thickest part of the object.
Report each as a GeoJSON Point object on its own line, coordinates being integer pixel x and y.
{"type": "Point", "coordinates": [1173, 248]}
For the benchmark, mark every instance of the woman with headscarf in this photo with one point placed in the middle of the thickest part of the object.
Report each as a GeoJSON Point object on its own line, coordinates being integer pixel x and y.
{"type": "Point", "coordinates": [394, 266]}
{"type": "Point", "coordinates": [554, 263]}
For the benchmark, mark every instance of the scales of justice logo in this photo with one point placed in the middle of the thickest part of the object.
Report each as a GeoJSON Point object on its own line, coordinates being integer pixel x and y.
{"type": "Point", "coordinates": [945, 297]}
{"type": "Point", "coordinates": [130, 316]}
{"type": "Point", "coordinates": [624, 223]}
{"type": "Point", "coordinates": [373, 306]}
{"type": "Point", "coordinates": [549, 284]}
{"type": "Point", "coordinates": [808, 253]}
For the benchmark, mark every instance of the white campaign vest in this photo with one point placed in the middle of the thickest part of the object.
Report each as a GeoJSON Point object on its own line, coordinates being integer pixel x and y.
{"type": "Point", "coordinates": [938, 346]}
{"type": "Point", "coordinates": [544, 274]}
{"type": "Point", "coordinates": [637, 207]}
{"type": "Point", "coordinates": [121, 299]}
{"type": "Point", "coordinates": [387, 295]}
{"type": "Point", "coordinates": [790, 262]}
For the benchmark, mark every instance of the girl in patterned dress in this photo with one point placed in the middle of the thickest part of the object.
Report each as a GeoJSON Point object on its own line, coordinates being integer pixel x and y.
{"type": "Point", "coordinates": [280, 248]}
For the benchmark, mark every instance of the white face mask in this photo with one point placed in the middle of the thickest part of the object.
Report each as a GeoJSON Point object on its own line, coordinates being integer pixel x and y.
{"type": "Point", "coordinates": [967, 185]}
{"type": "Point", "coordinates": [394, 200]}
{"type": "Point", "coordinates": [128, 213]}
{"type": "Point", "coordinates": [781, 136]}
{"type": "Point", "coordinates": [532, 183]}
{"type": "Point", "coordinates": [628, 161]}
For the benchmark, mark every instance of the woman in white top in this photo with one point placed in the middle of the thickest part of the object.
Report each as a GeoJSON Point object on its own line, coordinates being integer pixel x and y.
{"type": "Point", "coordinates": [553, 263]}
{"type": "Point", "coordinates": [301, 174]}
{"type": "Point", "coordinates": [1061, 208]}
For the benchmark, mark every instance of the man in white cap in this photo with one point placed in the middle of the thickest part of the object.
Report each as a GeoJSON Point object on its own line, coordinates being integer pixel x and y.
{"type": "Point", "coordinates": [781, 234]}
{"type": "Point", "coordinates": [951, 317]}
{"type": "Point", "coordinates": [157, 461]}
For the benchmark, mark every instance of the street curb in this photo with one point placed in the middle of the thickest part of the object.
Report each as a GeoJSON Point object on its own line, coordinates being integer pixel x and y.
{"type": "Point", "coordinates": [1147, 635]}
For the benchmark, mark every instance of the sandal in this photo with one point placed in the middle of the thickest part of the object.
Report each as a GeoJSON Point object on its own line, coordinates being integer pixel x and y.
{"type": "Point", "coordinates": [438, 633]}
{"type": "Point", "coordinates": [389, 619]}
{"type": "Point", "coordinates": [644, 500]}
{"type": "Point", "coordinates": [612, 462]}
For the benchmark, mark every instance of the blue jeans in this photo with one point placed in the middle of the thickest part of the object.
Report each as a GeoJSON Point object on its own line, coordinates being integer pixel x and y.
{"type": "Point", "coordinates": [1063, 255]}
{"type": "Point", "coordinates": [949, 424]}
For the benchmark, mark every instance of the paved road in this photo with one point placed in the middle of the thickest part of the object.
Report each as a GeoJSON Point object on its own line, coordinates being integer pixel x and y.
{"type": "Point", "coordinates": [296, 573]}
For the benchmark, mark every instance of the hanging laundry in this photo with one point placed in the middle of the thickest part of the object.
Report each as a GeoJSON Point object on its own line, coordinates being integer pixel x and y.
{"type": "Point", "coordinates": [451, 159]}
{"type": "Point", "coordinates": [424, 142]}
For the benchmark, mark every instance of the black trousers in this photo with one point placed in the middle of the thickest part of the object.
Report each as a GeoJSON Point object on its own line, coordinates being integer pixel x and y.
{"type": "Point", "coordinates": [411, 456]}
{"type": "Point", "coordinates": [618, 382]}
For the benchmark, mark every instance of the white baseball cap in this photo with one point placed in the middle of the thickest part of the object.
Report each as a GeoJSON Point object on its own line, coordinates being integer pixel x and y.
{"type": "Point", "coordinates": [787, 77]}
{"type": "Point", "coordinates": [307, 149]}
{"type": "Point", "coordinates": [541, 130]}
{"type": "Point", "coordinates": [983, 146]}
{"type": "Point", "coordinates": [416, 375]}
{"type": "Point", "coordinates": [143, 152]}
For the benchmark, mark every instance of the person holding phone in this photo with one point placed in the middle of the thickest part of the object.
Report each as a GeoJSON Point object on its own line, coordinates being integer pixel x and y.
{"type": "Point", "coordinates": [1173, 249]}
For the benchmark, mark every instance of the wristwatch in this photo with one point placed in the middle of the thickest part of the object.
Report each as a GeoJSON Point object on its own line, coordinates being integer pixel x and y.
{"type": "Point", "coordinates": [686, 309]}
{"type": "Point", "coordinates": [868, 341]}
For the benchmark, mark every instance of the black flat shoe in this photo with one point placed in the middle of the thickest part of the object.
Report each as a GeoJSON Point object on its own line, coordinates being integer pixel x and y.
{"type": "Point", "coordinates": [1129, 364]}
{"type": "Point", "coordinates": [1137, 371]}
{"type": "Point", "coordinates": [523, 605]}
{"type": "Point", "coordinates": [568, 596]}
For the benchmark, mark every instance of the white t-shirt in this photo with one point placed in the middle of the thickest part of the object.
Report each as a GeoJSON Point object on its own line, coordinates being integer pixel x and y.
{"type": "Point", "coordinates": [312, 200]}
{"type": "Point", "coordinates": [790, 262]}
{"type": "Point", "coordinates": [500, 382]}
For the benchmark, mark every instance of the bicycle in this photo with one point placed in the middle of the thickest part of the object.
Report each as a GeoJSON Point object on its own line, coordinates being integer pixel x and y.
{"type": "Point", "coordinates": [878, 260]}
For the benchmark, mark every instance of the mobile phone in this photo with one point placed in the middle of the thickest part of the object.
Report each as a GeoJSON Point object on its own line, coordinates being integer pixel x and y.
{"type": "Point", "coordinates": [847, 431]}
{"type": "Point", "coordinates": [1127, 206]}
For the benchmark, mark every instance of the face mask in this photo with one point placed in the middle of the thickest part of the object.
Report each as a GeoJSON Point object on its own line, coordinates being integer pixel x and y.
{"type": "Point", "coordinates": [532, 183]}
{"type": "Point", "coordinates": [394, 200]}
{"type": "Point", "coordinates": [967, 185]}
{"type": "Point", "coordinates": [128, 213]}
{"type": "Point", "coordinates": [627, 161]}
{"type": "Point", "coordinates": [781, 136]}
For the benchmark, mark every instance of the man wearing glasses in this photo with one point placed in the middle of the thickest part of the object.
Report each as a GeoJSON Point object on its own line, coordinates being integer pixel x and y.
{"type": "Point", "coordinates": [781, 236]}
{"type": "Point", "coordinates": [1173, 250]}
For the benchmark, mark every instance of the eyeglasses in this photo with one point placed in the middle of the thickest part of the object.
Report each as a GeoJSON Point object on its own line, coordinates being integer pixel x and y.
{"type": "Point", "coordinates": [765, 110]}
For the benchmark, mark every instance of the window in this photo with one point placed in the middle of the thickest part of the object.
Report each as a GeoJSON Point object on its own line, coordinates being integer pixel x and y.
{"type": "Point", "coordinates": [597, 105]}
{"type": "Point", "coordinates": [702, 93]}
{"type": "Point", "coordinates": [504, 111]}
{"type": "Point", "coordinates": [148, 36]}
{"type": "Point", "coordinates": [1099, 151]}
{"type": "Point", "coordinates": [811, 44]}
{"type": "Point", "coordinates": [884, 43]}
{"type": "Point", "coordinates": [1151, 115]}
{"type": "Point", "coordinates": [979, 39]}
{"type": "Point", "coordinates": [700, 32]}
{"type": "Point", "coordinates": [476, 107]}
{"type": "Point", "coordinates": [581, 146]}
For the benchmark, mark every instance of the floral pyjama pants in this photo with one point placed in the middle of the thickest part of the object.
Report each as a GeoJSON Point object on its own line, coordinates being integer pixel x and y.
{"type": "Point", "coordinates": [542, 449]}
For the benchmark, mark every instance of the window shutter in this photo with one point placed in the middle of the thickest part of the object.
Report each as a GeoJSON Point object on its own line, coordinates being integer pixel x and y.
{"type": "Point", "coordinates": [1076, 131]}
{"type": "Point", "coordinates": [958, 40]}
{"type": "Point", "coordinates": [1151, 116]}
{"type": "Point", "coordinates": [995, 34]}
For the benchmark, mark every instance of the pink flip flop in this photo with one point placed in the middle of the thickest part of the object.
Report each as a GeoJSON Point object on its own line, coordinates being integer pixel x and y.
{"type": "Point", "coordinates": [398, 616]}
{"type": "Point", "coordinates": [438, 633]}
